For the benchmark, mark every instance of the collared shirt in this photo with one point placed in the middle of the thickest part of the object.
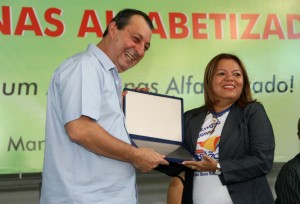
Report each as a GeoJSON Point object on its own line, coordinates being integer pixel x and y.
{"type": "Point", "coordinates": [85, 84]}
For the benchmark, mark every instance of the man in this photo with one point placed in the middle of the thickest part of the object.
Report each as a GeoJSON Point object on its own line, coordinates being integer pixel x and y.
{"type": "Point", "coordinates": [287, 185]}
{"type": "Point", "coordinates": [88, 154]}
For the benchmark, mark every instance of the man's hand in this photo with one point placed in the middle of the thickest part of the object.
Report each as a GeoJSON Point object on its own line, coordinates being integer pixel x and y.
{"type": "Point", "coordinates": [145, 89]}
{"type": "Point", "coordinates": [147, 159]}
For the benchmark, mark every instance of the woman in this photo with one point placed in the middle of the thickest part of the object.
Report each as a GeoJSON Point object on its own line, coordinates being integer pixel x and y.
{"type": "Point", "coordinates": [233, 139]}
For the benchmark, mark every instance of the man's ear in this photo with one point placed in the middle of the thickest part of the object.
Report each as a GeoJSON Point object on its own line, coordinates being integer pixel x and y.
{"type": "Point", "coordinates": [112, 28]}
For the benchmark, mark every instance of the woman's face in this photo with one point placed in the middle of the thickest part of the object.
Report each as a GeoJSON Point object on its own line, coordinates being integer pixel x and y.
{"type": "Point", "coordinates": [227, 81]}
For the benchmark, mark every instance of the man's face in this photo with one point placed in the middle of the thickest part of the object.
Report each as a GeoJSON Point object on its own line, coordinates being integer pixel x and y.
{"type": "Point", "coordinates": [130, 44]}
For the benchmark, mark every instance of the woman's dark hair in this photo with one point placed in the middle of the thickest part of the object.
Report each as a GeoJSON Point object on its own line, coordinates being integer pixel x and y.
{"type": "Point", "coordinates": [122, 19]}
{"type": "Point", "coordinates": [246, 95]}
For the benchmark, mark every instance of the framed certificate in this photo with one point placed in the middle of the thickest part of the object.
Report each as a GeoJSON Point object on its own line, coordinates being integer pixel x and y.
{"type": "Point", "coordinates": [156, 121]}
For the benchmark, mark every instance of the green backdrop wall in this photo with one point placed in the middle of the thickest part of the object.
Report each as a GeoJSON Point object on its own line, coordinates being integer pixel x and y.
{"type": "Point", "coordinates": [37, 35]}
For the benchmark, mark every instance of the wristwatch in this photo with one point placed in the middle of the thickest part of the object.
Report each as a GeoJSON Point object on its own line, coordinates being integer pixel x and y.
{"type": "Point", "coordinates": [218, 170]}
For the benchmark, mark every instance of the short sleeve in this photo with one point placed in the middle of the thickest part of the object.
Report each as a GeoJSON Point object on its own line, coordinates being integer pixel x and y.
{"type": "Point", "coordinates": [80, 90]}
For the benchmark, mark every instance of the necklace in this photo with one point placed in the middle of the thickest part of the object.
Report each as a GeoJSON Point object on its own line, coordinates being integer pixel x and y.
{"type": "Point", "coordinates": [215, 120]}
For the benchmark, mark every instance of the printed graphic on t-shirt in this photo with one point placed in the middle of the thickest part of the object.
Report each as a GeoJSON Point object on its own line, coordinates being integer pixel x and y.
{"type": "Point", "coordinates": [209, 138]}
{"type": "Point", "coordinates": [208, 146]}
{"type": "Point", "coordinates": [211, 143]}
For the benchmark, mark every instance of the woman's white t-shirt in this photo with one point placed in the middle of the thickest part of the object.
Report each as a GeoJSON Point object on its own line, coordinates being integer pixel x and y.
{"type": "Point", "coordinates": [208, 188]}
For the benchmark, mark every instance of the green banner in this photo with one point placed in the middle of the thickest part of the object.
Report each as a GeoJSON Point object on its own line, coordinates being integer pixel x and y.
{"type": "Point", "coordinates": [37, 35]}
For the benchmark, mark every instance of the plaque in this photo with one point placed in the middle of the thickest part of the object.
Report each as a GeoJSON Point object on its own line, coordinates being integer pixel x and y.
{"type": "Point", "coordinates": [156, 121]}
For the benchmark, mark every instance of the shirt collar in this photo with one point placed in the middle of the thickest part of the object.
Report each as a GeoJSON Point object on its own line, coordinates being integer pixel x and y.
{"type": "Point", "coordinates": [102, 57]}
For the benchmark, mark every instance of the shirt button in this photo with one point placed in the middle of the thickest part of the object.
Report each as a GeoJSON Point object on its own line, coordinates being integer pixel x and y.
{"type": "Point", "coordinates": [230, 190]}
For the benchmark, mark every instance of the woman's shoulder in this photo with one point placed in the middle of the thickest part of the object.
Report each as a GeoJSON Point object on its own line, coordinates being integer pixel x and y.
{"type": "Point", "coordinates": [196, 111]}
{"type": "Point", "coordinates": [255, 109]}
{"type": "Point", "coordinates": [254, 106]}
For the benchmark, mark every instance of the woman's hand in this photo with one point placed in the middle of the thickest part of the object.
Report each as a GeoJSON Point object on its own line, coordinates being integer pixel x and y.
{"type": "Point", "coordinates": [207, 164]}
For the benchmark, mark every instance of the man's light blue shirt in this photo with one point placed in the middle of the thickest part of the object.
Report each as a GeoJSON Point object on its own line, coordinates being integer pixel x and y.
{"type": "Point", "coordinates": [85, 84]}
